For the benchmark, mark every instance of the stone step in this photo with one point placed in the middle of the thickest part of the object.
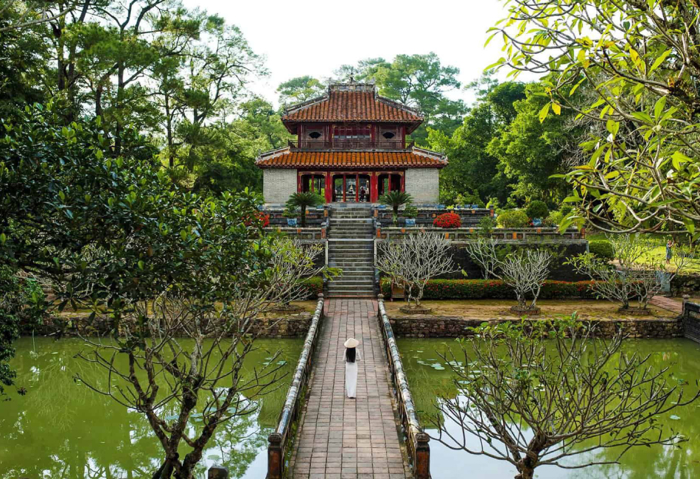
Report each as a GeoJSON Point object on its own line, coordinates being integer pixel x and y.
{"type": "Point", "coordinates": [366, 283]}
{"type": "Point", "coordinates": [352, 266]}
{"type": "Point", "coordinates": [346, 288]}
{"type": "Point", "coordinates": [350, 234]}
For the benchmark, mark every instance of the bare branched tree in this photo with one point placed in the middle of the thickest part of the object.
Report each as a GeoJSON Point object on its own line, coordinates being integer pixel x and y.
{"type": "Point", "coordinates": [524, 270]}
{"type": "Point", "coordinates": [413, 261]}
{"type": "Point", "coordinates": [181, 355]}
{"type": "Point", "coordinates": [634, 275]}
{"type": "Point", "coordinates": [545, 393]}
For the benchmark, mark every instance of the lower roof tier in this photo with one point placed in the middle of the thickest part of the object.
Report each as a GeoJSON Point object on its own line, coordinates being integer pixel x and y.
{"type": "Point", "coordinates": [299, 159]}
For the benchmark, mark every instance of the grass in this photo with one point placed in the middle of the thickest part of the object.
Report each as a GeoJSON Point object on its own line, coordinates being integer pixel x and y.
{"type": "Point", "coordinates": [551, 309]}
{"type": "Point", "coordinates": [657, 254]}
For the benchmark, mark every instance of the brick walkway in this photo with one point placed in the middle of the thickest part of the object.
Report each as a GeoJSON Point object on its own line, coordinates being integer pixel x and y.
{"type": "Point", "coordinates": [341, 437]}
{"type": "Point", "coordinates": [667, 304]}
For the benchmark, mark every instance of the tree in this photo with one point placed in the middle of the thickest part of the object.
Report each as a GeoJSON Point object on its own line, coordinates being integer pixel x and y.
{"type": "Point", "coordinates": [525, 270]}
{"type": "Point", "coordinates": [301, 201]}
{"type": "Point", "coordinates": [640, 61]}
{"type": "Point", "coordinates": [634, 276]}
{"type": "Point", "coordinates": [473, 168]}
{"type": "Point", "coordinates": [420, 81]}
{"type": "Point", "coordinates": [396, 199]}
{"type": "Point", "coordinates": [539, 393]}
{"type": "Point", "coordinates": [414, 260]}
{"type": "Point", "coordinates": [299, 90]}
{"type": "Point", "coordinates": [118, 237]}
{"type": "Point", "coordinates": [530, 151]}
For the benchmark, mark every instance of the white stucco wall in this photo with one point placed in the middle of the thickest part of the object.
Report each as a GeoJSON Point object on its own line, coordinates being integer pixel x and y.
{"type": "Point", "coordinates": [279, 185]}
{"type": "Point", "coordinates": [423, 184]}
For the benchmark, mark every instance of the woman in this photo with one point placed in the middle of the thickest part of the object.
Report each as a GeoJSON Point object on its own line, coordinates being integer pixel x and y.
{"type": "Point", "coordinates": [352, 355]}
{"type": "Point", "coordinates": [669, 250]}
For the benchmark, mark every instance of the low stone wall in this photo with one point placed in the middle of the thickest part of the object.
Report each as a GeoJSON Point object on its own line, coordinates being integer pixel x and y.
{"type": "Point", "coordinates": [292, 326]}
{"type": "Point", "coordinates": [691, 321]}
{"type": "Point", "coordinates": [685, 284]}
{"type": "Point", "coordinates": [314, 216]}
{"type": "Point", "coordinates": [426, 215]}
{"type": "Point", "coordinates": [429, 326]}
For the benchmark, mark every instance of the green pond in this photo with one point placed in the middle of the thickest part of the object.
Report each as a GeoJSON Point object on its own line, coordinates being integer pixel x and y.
{"type": "Point", "coordinates": [429, 378]}
{"type": "Point", "coordinates": [62, 429]}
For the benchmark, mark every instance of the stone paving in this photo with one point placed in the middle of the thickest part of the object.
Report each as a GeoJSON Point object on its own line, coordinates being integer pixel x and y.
{"type": "Point", "coordinates": [349, 438]}
{"type": "Point", "coordinates": [667, 304]}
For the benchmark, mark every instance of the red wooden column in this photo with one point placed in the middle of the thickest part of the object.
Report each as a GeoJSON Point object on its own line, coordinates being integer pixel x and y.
{"type": "Point", "coordinates": [403, 183]}
{"type": "Point", "coordinates": [373, 188]}
{"type": "Point", "coordinates": [344, 186]}
{"type": "Point", "coordinates": [329, 187]}
{"type": "Point", "coordinates": [357, 188]}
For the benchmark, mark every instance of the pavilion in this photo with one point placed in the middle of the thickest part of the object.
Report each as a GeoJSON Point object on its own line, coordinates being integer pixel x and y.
{"type": "Point", "coordinates": [351, 147]}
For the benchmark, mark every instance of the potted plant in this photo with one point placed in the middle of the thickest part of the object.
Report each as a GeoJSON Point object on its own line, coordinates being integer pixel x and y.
{"type": "Point", "coordinates": [410, 212]}
{"type": "Point", "coordinates": [291, 215]}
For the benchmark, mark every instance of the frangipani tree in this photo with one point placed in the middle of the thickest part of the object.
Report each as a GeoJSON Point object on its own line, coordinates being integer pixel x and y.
{"type": "Point", "coordinates": [525, 270]}
{"type": "Point", "coordinates": [544, 393]}
{"type": "Point", "coordinates": [414, 260]}
{"type": "Point", "coordinates": [639, 61]}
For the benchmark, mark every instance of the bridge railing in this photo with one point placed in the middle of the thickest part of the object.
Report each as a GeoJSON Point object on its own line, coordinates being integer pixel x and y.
{"type": "Point", "coordinates": [279, 441]}
{"type": "Point", "coordinates": [417, 441]}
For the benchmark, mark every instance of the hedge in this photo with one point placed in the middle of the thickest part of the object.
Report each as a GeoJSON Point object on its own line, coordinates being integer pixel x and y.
{"type": "Point", "coordinates": [495, 289]}
{"type": "Point", "coordinates": [602, 249]}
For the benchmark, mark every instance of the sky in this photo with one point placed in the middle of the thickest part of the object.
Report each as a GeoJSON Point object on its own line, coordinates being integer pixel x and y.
{"type": "Point", "coordinates": [314, 38]}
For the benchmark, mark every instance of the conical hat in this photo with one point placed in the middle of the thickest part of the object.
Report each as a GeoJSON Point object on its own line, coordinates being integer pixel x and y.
{"type": "Point", "coordinates": [351, 343]}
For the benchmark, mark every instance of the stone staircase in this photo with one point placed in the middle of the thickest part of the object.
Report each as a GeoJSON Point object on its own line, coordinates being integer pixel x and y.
{"type": "Point", "coordinates": [351, 248]}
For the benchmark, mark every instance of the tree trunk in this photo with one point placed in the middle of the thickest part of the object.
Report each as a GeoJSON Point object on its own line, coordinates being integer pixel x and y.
{"type": "Point", "coordinates": [303, 216]}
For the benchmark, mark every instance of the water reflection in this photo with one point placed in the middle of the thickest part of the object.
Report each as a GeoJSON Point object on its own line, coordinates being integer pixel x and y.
{"type": "Point", "coordinates": [61, 429]}
{"type": "Point", "coordinates": [430, 378]}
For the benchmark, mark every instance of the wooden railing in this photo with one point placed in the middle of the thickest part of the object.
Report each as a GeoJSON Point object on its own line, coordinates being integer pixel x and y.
{"type": "Point", "coordinates": [352, 144]}
{"type": "Point", "coordinates": [416, 439]}
{"type": "Point", "coordinates": [280, 439]}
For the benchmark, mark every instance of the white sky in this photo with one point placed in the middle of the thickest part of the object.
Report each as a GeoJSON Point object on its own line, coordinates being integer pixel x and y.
{"type": "Point", "coordinates": [314, 38]}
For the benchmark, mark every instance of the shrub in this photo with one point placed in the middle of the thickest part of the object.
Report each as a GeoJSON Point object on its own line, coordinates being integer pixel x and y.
{"type": "Point", "coordinates": [603, 249]}
{"type": "Point", "coordinates": [314, 286]}
{"type": "Point", "coordinates": [513, 219]}
{"type": "Point", "coordinates": [537, 209]}
{"type": "Point", "coordinates": [438, 289]}
{"type": "Point", "coordinates": [262, 220]}
{"type": "Point", "coordinates": [486, 226]}
{"type": "Point", "coordinates": [554, 218]}
{"type": "Point", "coordinates": [566, 210]}
{"type": "Point", "coordinates": [448, 220]}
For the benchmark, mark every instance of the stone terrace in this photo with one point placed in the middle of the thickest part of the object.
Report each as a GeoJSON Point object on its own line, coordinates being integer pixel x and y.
{"type": "Point", "coordinates": [341, 437]}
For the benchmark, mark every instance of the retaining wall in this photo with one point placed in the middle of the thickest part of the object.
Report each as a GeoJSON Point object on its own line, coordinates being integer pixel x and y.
{"type": "Point", "coordinates": [691, 321]}
{"type": "Point", "coordinates": [430, 326]}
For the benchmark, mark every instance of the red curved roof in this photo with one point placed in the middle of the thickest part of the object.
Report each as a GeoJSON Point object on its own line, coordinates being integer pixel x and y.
{"type": "Point", "coordinates": [350, 103]}
{"type": "Point", "coordinates": [415, 158]}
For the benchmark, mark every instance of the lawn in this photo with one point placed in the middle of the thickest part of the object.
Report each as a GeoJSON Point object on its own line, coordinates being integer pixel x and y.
{"type": "Point", "coordinates": [551, 309]}
{"type": "Point", "coordinates": [657, 253]}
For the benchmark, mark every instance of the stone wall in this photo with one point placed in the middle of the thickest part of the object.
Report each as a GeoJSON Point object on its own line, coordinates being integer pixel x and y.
{"type": "Point", "coordinates": [279, 185]}
{"type": "Point", "coordinates": [685, 284]}
{"type": "Point", "coordinates": [691, 321]}
{"type": "Point", "coordinates": [429, 326]}
{"type": "Point", "coordinates": [560, 271]}
{"type": "Point", "coordinates": [423, 184]}
{"type": "Point", "coordinates": [293, 326]}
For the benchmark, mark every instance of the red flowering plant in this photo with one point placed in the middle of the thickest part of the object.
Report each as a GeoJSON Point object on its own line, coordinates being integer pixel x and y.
{"type": "Point", "coordinates": [448, 220]}
{"type": "Point", "coordinates": [262, 220]}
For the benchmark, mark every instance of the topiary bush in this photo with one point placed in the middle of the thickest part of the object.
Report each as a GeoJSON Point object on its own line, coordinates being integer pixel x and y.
{"type": "Point", "coordinates": [603, 249]}
{"type": "Point", "coordinates": [537, 209]}
{"type": "Point", "coordinates": [513, 219]}
{"type": "Point", "coordinates": [448, 220]}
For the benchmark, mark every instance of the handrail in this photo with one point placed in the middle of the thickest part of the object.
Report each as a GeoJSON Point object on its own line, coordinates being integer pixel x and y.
{"type": "Point", "coordinates": [279, 439]}
{"type": "Point", "coordinates": [417, 440]}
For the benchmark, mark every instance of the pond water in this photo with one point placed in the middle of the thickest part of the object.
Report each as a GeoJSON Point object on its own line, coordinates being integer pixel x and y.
{"type": "Point", "coordinates": [61, 429]}
{"type": "Point", "coordinates": [429, 378]}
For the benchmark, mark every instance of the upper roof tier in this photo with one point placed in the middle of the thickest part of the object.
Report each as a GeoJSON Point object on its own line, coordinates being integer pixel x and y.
{"type": "Point", "coordinates": [351, 102]}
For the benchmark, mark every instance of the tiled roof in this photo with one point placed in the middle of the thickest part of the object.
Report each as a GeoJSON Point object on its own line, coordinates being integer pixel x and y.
{"type": "Point", "coordinates": [352, 102]}
{"type": "Point", "coordinates": [414, 158]}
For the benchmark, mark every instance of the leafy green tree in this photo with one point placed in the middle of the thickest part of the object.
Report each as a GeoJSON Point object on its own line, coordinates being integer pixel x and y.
{"type": "Point", "coordinates": [302, 201]}
{"type": "Point", "coordinates": [299, 89]}
{"type": "Point", "coordinates": [530, 151]}
{"type": "Point", "coordinates": [419, 81]}
{"type": "Point", "coordinates": [473, 168]}
{"type": "Point", "coordinates": [639, 61]}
